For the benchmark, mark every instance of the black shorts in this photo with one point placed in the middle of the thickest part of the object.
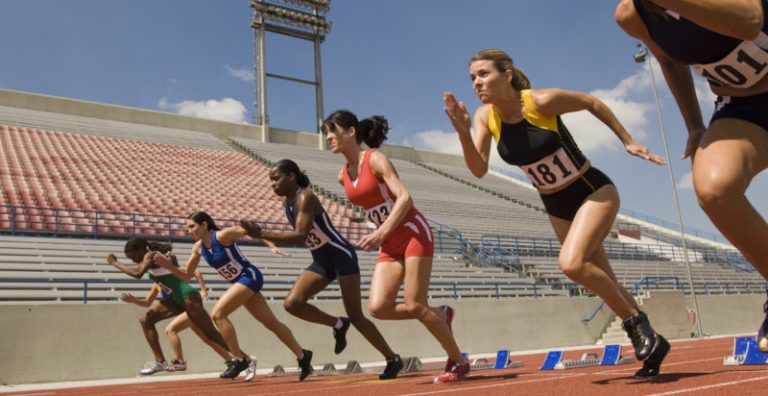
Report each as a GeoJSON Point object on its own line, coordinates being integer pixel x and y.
{"type": "Point", "coordinates": [753, 109]}
{"type": "Point", "coordinates": [565, 203]}
{"type": "Point", "coordinates": [331, 261]}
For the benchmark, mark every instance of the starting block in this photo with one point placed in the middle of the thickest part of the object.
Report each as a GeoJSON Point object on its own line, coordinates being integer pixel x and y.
{"type": "Point", "coordinates": [411, 365]}
{"type": "Point", "coordinates": [353, 367]}
{"type": "Point", "coordinates": [503, 361]}
{"type": "Point", "coordinates": [745, 352]}
{"type": "Point", "coordinates": [611, 357]}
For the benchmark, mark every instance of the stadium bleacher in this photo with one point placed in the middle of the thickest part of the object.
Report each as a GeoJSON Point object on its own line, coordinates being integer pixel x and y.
{"type": "Point", "coordinates": [75, 176]}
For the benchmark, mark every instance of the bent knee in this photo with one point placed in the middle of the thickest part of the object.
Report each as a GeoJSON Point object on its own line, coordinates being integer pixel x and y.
{"type": "Point", "coordinates": [218, 316]}
{"type": "Point", "coordinates": [416, 309]}
{"type": "Point", "coordinates": [293, 305]}
{"type": "Point", "coordinates": [377, 310]}
{"type": "Point", "coordinates": [715, 190]}
{"type": "Point", "coordinates": [572, 267]}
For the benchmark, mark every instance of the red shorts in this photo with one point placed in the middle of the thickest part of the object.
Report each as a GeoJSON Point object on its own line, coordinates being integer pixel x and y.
{"type": "Point", "coordinates": [412, 238]}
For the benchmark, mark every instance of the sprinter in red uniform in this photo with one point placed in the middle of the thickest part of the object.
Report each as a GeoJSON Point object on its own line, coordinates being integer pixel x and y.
{"type": "Point", "coordinates": [402, 235]}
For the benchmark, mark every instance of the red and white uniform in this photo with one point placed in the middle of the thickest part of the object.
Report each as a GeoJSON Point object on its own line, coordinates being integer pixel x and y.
{"type": "Point", "coordinates": [411, 238]}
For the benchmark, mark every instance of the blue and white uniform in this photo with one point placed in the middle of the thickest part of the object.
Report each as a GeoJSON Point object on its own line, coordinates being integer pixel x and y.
{"type": "Point", "coordinates": [232, 264]}
{"type": "Point", "coordinates": [333, 256]}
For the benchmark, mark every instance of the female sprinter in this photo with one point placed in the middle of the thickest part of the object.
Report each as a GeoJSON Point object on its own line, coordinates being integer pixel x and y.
{"type": "Point", "coordinates": [581, 201]}
{"type": "Point", "coordinates": [402, 234]}
{"type": "Point", "coordinates": [333, 258]}
{"type": "Point", "coordinates": [219, 249]}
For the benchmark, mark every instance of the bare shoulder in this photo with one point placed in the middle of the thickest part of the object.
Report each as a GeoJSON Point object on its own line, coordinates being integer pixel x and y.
{"type": "Point", "coordinates": [628, 19]}
{"type": "Point", "coordinates": [482, 112]}
{"type": "Point", "coordinates": [340, 178]}
{"type": "Point", "coordinates": [306, 198]}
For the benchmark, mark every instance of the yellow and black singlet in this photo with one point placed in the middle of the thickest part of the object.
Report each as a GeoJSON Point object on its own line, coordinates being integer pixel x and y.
{"type": "Point", "coordinates": [541, 146]}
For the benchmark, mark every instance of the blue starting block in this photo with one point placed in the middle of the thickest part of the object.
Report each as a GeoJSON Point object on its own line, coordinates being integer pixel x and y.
{"type": "Point", "coordinates": [503, 361]}
{"type": "Point", "coordinates": [552, 359]}
{"type": "Point", "coordinates": [611, 357]}
{"type": "Point", "coordinates": [745, 352]}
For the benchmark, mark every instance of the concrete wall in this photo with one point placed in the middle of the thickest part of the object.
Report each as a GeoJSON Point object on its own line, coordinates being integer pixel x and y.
{"type": "Point", "coordinates": [100, 341]}
{"type": "Point", "coordinates": [732, 315]}
{"type": "Point", "coordinates": [668, 312]}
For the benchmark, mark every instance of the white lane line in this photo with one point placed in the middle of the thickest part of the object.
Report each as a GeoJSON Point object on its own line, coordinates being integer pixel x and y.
{"type": "Point", "coordinates": [699, 388]}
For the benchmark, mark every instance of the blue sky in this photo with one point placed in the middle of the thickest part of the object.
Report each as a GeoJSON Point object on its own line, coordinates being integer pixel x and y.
{"type": "Point", "coordinates": [394, 58]}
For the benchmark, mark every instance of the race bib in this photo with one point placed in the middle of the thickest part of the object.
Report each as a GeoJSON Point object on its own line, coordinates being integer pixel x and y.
{"type": "Point", "coordinates": [378, 214]}
{"type": "Point", "coordinates": [742, 68]}
{"type": "Point", "coordinates": [552, 171]}
{"type": "Point", "coordinates": [316, 239]}
{"type": "Point", "coordinates": [229, 271]}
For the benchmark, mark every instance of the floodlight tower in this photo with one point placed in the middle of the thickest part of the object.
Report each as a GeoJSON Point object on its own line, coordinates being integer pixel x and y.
{"type": "Point", "coordinates": [302, 19]}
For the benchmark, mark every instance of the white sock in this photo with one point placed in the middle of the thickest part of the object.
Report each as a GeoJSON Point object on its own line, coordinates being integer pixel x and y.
{"type": "Point", "coordinates": [338, 324]}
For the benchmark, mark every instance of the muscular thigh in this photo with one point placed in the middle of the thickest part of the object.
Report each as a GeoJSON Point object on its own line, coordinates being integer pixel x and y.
{"type": "Point", "coordinates": [233, 298]}
{"type": "Point", "coordinates": [385, 283]}
{"type": "Point", "coordinates": [730, 154]}
{"type": "Point", "coordinates": [418, 271]}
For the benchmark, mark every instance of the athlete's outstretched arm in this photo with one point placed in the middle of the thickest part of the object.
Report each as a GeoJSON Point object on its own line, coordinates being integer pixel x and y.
{"type": "Point", "coordinates": [201, 283]}
{"type": "Point", "coordinates": [478, 149]}
{"type": "Point", "coordinates": [142, 302]}
{"type": "Point", "coordinates": [553, 102]}
{"type": "Point", "coordinates": [384, 170]}
{"type": "Point", "coordinates": [135, 271]}
{"type": "Point", "coordinates": [742, 19]}
{"type": "Point", "coordinates": [307, 205]}
{"type": "Point", "coordinates": [677, 75]}
{"type": "Point", "coordinates": [189, 270]}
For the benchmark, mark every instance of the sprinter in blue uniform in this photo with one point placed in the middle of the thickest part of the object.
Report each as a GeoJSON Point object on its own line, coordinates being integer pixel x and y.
{"type": "Point", "coordinates": [725, 42]}
{"type": "Point", "coordinates": [333, 258]}
{"type": "Point", "coordinates": [219, 249]}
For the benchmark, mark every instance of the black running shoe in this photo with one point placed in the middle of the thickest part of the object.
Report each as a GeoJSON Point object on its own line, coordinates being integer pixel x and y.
{"type": "Point", "coordinates": [229, 366]}
{"type": "Point", "coordinates": [641, 334]}
{"type": "Point", "coordinates": [652, 365]}
{"type": "Point", "coordinates": [341, 336]}
{"type": "Point", "coordinates": [234, 368]}
{"type": "Point", "coordinates": [394, 366]}
{"type": "Point", "coordinates": [305, 364]}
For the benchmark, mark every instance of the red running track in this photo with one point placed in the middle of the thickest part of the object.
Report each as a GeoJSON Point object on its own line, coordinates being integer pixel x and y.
{"type": "Point", "coordinates": [692, 367]}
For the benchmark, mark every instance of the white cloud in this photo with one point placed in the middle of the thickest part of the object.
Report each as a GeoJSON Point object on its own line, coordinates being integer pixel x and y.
{"type": "Point", "coordinates": [435, 140]}
{"type": "Point", "coordinates": [592, 135]}
{"type": "Point", "coordinates": [243, 73]}
{"type": "Point", "coordinates": [226, 109]}
{"type": "Point", "coordinates": [445, 142]}
{"type": "Point", "coordinates": [685, 182]}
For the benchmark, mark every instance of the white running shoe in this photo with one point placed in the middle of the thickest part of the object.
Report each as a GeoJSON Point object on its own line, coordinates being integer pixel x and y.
{"type": "Point", "coordinates": [250, 372]}
{"type": "Point", "coordinates": [153, 367]}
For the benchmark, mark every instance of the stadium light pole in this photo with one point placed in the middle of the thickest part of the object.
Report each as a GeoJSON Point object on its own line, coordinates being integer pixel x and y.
{"type": "Point", "coordinates": [640, 57]}
{"type": "Point", "coordinates": [302, 19]}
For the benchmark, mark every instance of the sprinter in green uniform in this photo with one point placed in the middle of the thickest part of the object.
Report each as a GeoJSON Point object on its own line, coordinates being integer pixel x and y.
{"type": "Point", "coordinates": [181, 298]}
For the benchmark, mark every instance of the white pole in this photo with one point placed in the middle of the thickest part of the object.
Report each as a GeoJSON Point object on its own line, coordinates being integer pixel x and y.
{"type": "Point", "coordinates": [641, 57]}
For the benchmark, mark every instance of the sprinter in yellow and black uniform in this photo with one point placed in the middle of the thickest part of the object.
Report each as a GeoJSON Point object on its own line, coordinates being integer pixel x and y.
{"type": "Point", "coordinates": [544, 149]}
{"type": "Point", "coordinates": [581, 201]}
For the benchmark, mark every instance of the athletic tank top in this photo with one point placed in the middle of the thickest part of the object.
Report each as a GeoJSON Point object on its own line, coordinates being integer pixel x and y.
{"type": "Point", "coordinates": [721, 59]}
{"type": "Point", "coordinates": [229, 261]}
{"type": "Point", "coordinates": [371, 194]}
{"type": "Point", "coordinates": [170, 285]}
{"type": "Point", "coordinates": [541, 146]}
{"type": "Point", "coordinates": [323, 232]}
